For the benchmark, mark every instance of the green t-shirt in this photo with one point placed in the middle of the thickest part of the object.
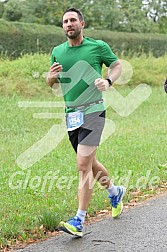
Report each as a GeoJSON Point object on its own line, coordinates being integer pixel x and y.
{"type": "Point", "coordinates": [81, 66]}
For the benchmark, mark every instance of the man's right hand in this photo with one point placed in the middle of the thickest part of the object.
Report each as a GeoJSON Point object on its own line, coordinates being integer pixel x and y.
{"type": "Point", "coordinates": [55, 70]}
{"type": "Point", "coordinates": [54, 73]}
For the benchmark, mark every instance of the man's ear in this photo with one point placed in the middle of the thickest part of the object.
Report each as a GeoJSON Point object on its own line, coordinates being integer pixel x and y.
{"type": "Point", "coordinates": [83, 24]}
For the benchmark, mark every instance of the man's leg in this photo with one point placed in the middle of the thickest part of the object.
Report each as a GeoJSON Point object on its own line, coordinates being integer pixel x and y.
{"type": "Point", "coordinates": [85, 157]}
{"type": "Point", "coordinates": [116, 193]}
{"type": "Point", "coordinates": [100, 173]}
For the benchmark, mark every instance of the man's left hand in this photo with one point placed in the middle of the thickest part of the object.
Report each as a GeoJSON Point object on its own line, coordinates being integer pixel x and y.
{"type": "Point", "coordinates": [101, 84]}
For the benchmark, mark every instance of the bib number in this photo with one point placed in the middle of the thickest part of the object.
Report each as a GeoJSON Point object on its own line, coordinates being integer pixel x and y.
{"type": "Point", "coordinates": [74, 120]}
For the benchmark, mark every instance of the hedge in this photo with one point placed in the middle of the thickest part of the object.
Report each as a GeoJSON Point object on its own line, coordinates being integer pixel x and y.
{"type": "Point", "coordinates": [18, 38]}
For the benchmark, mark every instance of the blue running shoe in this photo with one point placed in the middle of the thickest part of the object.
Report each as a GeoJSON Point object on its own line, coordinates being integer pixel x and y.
{"type": "Point", "coordinates": [116, 202]}
{"type": "Point", "coordinates": [73, 226]}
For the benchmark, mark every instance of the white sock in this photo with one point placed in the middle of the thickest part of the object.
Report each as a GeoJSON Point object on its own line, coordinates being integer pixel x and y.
{"type": "Point", "coordinates": [81, 214]}
{"type": "Point", "coordinates": [112, 190]}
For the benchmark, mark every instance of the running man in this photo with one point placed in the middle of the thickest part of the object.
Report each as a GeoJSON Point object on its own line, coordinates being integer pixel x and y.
{"type": "Point", "coordinates": [82, 58]}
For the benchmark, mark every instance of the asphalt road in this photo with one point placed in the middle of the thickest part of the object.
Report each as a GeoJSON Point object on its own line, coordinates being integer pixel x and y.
{"type": "Point", "coordinates": [139, 229]}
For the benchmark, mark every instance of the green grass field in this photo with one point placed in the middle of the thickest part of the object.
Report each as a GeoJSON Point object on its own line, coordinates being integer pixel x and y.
{"type": "Point", "coordinates": [46, 192]}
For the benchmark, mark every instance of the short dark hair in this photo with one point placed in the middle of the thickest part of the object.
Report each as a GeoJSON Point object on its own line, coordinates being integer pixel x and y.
{"type": "Point", "coordinates": [72, 9]}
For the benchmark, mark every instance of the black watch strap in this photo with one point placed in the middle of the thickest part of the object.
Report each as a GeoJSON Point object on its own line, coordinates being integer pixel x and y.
{"type": "Point", "coordinates": [110, 82]}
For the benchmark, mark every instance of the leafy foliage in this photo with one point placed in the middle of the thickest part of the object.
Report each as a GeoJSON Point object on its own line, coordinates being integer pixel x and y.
{"type": "Point", "coordinates": [17, 38]}
{"type": "Point", "coordinates": [12, 11]}
{"type": "Point", "coordinates": [122, 15]}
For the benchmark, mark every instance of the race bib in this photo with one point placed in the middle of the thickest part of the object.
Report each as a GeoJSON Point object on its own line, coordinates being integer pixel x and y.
{"type": "Point", "coordinates": [74, 120]}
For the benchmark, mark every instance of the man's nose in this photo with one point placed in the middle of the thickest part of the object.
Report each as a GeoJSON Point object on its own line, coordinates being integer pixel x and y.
{"type": "Point", "coordinates": [69, 23]}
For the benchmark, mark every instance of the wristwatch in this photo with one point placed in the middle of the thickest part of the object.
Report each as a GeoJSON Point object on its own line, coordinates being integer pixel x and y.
{"type": "Point", "coordinates": [110, 82]}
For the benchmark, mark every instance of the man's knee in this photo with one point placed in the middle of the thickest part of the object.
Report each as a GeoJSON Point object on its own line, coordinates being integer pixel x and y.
{"type": "Point", "coordinates": [85, 156]}
{"type": "Point", "coordinates": [83, 164]}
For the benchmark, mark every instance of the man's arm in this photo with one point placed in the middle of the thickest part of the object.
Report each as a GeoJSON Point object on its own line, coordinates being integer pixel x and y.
{"type": "Point", "coordinates": [53, 75]}
{"type": "Point", "coordinates": [114, 71]}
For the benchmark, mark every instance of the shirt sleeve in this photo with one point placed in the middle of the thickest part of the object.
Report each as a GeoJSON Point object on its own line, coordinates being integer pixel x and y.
{"type": "Point", "coordinates": [107, 55]}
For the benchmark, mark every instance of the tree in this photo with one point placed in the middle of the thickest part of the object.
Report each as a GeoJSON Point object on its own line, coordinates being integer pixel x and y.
{"type": "Point", "coordinates": [50, 11]}
{"type": "Point", "coordinates": [155, 9]}
{"type": "Point", "coordinates": [134, 18]}
{"type": "Point", "coordinates": [119, 15]}
{"type": "Point", "coordinates": [12, 11]}
{"type": "Point", "coordinates": [157, 12]}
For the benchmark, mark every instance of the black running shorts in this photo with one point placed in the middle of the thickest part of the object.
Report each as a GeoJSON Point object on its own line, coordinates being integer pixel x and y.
{"type": "Point", "coordinates": [90, 132]}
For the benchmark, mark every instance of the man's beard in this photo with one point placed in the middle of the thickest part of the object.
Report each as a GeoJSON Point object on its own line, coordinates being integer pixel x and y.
{"type": "Point", "coordinates": [74, 35]}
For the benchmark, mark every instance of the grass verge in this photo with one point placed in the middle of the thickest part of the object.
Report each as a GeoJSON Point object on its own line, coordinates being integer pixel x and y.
{"type": "Point", "coordinates": [34, 199]}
